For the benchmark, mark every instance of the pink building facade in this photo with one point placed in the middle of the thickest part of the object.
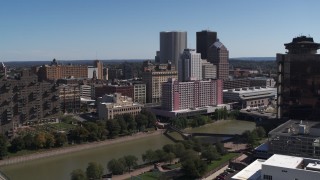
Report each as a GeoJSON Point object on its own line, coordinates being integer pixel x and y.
{"type": "Point", "coordinates": [190, 95]}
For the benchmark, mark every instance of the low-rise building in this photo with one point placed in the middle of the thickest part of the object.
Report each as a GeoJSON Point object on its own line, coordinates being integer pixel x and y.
{"type": "Point", "coordinates": [281, 167]}
{"type": "Point", "coordinates": [115, 104]}
{"type": "Point", "coordinates": [250, 97]}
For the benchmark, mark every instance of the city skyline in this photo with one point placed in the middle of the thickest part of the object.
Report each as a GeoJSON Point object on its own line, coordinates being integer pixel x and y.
{"type": "Point", "coordinates": [37, 30]}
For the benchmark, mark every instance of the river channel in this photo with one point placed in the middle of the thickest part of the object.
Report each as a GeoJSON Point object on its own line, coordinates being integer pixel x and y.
{"type": "Point", "coordinates": [59, 167]}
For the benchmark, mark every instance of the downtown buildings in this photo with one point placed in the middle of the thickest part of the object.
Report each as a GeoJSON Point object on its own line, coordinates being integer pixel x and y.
{"type": "Point", "coordinates": [210, 48]}
{"type": "Point", "coordinates": [299, 80]}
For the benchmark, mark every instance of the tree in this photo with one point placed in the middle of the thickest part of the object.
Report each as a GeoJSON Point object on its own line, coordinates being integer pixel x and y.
{"type": "Point", "coordinates": [179, 149]}
{"type": "Point", "coordinates": [188, 154]}
{"type": "Point", "coordinates": [149, 156]}
{"type": "Point", "coordinates": [210, 153]}
{"type": "Point", "coordinates": [116, 166]}
{"type": "Point", "coordinates": [50, 141]}
{"type": "Point", "coordinates": [261, 132]}
{"type": "Point", "coordinates": [169, 157]}
{"type": "Point", "coordinates": [40, 140]}
{"type": "Point", "coordinates": [131, 123]}
{"type": "Point", "coordinates": [61, 139]}
{"type": "Point", "coordinates": [29, 141]}
{"type": "Point", "coordinates": [197, 145]}
{"type": "Point", "coordinates": [130, 161]}
{"type": "Point", "coordinates": [142, 121]}
{"type": "Point", "coordinates": [180, 122]}
{"type": "Point", "coordinates": [3, 146]}
{"type": "Point", "coordinates": [202, 120]}
{"type": "Point", "coordinates": [93, 130]}
{"type": "Point", "coordinates": [151, 118]}
{"type": "Point", "coordinates": [123, 126]}
{"type": "Point", "coordinates": [94, 170]}
{"type": "Point", "coordinates": [113, 127]}
{"type": "Point", "coordinates": [79, 134]}
{"type": "Point", "coordinates": [159, 155]}
{"type": "Point", "coordinates": [78, 174]}
{"type": "Point", "coordinates": [168, 148]}
{"type": "Point", "coordinates": [220, 148]}
{"type": "Point", "coordinates": [194, 167]}
{"type": "Point", "coordinates": [17, 144]}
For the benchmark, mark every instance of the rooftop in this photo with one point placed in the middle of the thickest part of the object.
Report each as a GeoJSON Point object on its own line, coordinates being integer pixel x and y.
{"type": "Point", "coordinates": [251, 172]}
{"type": "Point", "coordinates": [296, 127]}
{"type": "Point", "coordinates": [284, 161]}
{"type": "Point", "coordinates": [254, 170]}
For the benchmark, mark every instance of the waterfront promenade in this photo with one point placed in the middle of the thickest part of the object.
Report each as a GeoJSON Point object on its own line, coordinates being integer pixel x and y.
{"type": "Point", "coordinates": [75, 148]}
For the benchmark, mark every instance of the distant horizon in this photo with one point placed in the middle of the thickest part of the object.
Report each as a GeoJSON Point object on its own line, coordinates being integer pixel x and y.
{"type": "Point", "coordinates": [252, 58]}
{"type": "Point", "coordinates": [42, 30]}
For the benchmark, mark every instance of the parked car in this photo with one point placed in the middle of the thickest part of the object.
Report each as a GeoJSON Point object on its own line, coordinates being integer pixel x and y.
{"type": "Point", "coordinates": [230, 170]}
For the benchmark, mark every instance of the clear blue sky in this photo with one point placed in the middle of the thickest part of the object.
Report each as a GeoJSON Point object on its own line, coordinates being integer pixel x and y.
{"type": "Point", "coordinates": [129, 29]}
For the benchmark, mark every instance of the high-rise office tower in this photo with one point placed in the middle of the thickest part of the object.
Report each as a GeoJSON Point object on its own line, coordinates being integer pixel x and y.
{"type": "Point", "coordinates": [204, 40]}
{"type": "Point", "coordinates": [219, 56]}
{"type": "Point", "coordinates": [189, 66]}
{"type": "Point", "coordinates": [172, 45]}
{"type": "Point", "coordinates": [299, 80]}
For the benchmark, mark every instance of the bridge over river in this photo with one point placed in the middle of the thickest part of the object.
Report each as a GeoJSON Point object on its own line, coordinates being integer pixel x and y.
{"type": "Point", "coordinates": [187, 135]}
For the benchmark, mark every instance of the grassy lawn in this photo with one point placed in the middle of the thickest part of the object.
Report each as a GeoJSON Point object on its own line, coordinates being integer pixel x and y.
{"type": "Point", "coordinates": [173, 166]}
{"type": "Point", "coordinates": [149, 176]}
{"type": "Point", "coordinates": [62, 126]}
{"type": "Point", "coordinates": [225, 158]}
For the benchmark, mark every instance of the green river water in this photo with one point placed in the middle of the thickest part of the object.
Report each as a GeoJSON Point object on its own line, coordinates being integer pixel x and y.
{"type": "Point", "coordinates": [59, 167]}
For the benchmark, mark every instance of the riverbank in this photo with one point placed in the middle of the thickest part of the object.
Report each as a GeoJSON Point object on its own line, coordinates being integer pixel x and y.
{"type": "Point", "coordinates": [81, 147]}
{"type": "Point", "coordinates": [75, 148]}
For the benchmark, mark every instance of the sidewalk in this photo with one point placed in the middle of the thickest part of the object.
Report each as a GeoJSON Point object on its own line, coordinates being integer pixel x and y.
{"type": "Point", "coordinates": [133, 173]}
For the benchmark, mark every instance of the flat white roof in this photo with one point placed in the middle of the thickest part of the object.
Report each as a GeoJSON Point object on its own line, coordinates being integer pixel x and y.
{"type": "Point", "coordinates": [313, 166]}
{"type": "Point", "coordinates": [284, 161]}
{"type": "Point", "coordinates": [251, 172]}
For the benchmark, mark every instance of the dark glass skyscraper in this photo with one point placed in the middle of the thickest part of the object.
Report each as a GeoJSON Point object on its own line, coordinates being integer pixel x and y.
{"type": "Point", "coordinates": [299, 80]}
{"type": "Point", "coordinates": [205, 39]}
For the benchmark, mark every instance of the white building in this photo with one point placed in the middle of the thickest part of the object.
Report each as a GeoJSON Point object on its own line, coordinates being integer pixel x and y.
{"type": "Point", "coordinates": [281, 167]}
{"type": "Point", "coordinates": [190, 66]}
{"type": "Point", "coordinates": [250, 97]}
{"type": "Point", "coordinates": [86, 91]}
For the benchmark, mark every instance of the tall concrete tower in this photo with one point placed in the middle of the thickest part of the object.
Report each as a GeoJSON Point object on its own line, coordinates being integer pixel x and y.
{"type": "Point", "coordinates": [190, 66]}
{"type": "Point", "coordinates": [172, 45]}
{"type": "Point", "coordinates": [205, 39]}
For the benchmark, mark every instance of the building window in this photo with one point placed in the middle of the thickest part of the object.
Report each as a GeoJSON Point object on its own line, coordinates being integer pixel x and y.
{"type": "Point", "coordinates": [267, 177]}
